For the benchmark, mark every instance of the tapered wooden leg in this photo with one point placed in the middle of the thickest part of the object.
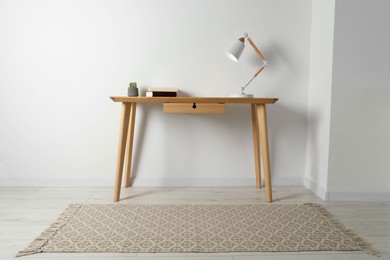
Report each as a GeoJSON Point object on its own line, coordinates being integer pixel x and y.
{"type": "Point", "coordinates": [129, 145]}
{"type": "Point", "coordinates": [256, 145]}
{"type": "Point", "coordinates": [262, 120]}
{"type": "Point", "coordinates": [121, 149]}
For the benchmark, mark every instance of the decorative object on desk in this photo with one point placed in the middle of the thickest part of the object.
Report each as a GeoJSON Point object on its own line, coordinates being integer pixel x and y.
{"type": "Point", "coordinates": [234, 52]}
{"type": "Point", "coordinates": [164, 89]}
{"type": "Point", "coordinates": [132, 91]}
{"type": "Point", "coordinates": [162, 92]}
{"type": "Point", "coordinates": [183, 228]}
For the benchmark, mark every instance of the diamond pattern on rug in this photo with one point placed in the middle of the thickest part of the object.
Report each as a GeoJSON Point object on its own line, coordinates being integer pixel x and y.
{"type": "Point", "coordinates": [195, 228]}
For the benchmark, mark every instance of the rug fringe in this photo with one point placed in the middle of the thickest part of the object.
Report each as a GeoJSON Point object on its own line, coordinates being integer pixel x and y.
{"type": "Point", "coordinates": [36, 246]}
{"type": "Point", "coordinates": [366, 247]}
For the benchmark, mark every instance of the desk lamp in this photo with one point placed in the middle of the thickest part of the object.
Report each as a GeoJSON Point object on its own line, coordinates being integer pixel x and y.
{"type": "Point", "coordinates": [234, 52]}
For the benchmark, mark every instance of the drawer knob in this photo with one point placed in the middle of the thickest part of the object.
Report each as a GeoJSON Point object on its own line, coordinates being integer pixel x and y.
{"type": "Point", "coordinates": [194, 108]}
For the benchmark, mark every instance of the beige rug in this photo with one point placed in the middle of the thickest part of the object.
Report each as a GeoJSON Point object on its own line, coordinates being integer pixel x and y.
{"type": "Point", "coordinates": [196, 228]}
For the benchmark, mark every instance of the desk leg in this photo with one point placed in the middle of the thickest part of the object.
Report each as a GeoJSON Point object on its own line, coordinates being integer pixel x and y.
{"type": "Point", "coordinates": [129, 145]}
{"type": "Point", "coordinates": [262, 120]}
{"type": "Point", "coordinates": [256, 144]}
{"type": "Point", "coordinates": [121, 149]}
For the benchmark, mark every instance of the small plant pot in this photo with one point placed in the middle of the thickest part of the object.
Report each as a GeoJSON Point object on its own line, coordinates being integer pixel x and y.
{"type": "Point", "coordinates": [132, 92]}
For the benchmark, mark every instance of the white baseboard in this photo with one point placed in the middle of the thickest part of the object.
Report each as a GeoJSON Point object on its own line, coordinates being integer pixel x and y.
{"type": "Point", "coordinates": [345, 196]}
{"type": "Point", "coordinates": [315, 188]}
{"type": "Point", "coordinates": [358, 196]}
{"type": "Point", "coordinates": [35, 182]}
{"type": "Point", "coordinates": [211, 182]}
{"type": "Point", "coordinates": [197, 182]}
{"type": "Point", "coordinates": [286, 181]}
{"type": "Point", "coordinates": [140, 181]}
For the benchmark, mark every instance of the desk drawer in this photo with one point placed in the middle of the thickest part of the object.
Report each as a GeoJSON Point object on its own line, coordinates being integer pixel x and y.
{"type": "Point", "coordinates": [194, 108]}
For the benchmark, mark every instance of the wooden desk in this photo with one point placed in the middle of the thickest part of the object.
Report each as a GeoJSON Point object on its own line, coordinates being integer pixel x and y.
{"type": "Point", "coordinates": [199, 105]}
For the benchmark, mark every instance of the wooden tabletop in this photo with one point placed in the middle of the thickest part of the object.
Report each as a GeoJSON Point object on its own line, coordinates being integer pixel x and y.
{"type": "Point", "coordinates": [236, 100]}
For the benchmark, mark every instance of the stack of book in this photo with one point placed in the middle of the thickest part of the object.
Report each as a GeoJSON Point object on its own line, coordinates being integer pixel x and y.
{"type": "Point", "coordinates": [162, 92]}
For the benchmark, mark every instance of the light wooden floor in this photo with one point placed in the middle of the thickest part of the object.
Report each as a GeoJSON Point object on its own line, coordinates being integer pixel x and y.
{"type": "Point", "coordinates": [26, 211]}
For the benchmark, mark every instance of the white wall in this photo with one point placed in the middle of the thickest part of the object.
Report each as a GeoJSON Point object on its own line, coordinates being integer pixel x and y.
{"type": "Point", "coordinates": [60, 60]}
{"type": "Point", "coordinates": [360, 123]}
{"type": "Point", "coordinates": [319, 100]}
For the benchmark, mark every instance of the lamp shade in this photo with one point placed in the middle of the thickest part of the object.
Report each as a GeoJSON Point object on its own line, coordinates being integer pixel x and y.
{"type": "Point", "coordinates": [235, 50]}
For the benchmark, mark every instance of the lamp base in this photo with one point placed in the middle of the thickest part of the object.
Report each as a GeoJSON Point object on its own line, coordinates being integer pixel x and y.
{"type": "Point", "coordinates": [242, 95]}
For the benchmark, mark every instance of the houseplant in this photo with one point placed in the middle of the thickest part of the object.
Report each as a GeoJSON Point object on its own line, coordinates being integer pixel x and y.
{"type": "Point", "coordinates": [132, 91]}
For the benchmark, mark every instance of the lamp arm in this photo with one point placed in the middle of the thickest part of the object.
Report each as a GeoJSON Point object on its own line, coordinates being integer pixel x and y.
{"type": "Point", "coordinates": [254, 76]}
{"type": "Point", "coordinates": [249, 82]}
{"type": "Point", "coordinates": [260, 70]}
{"type": "Point", "coordinates": [256, 49]}
{"type": "Point", "coordinates": [258, 52]}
